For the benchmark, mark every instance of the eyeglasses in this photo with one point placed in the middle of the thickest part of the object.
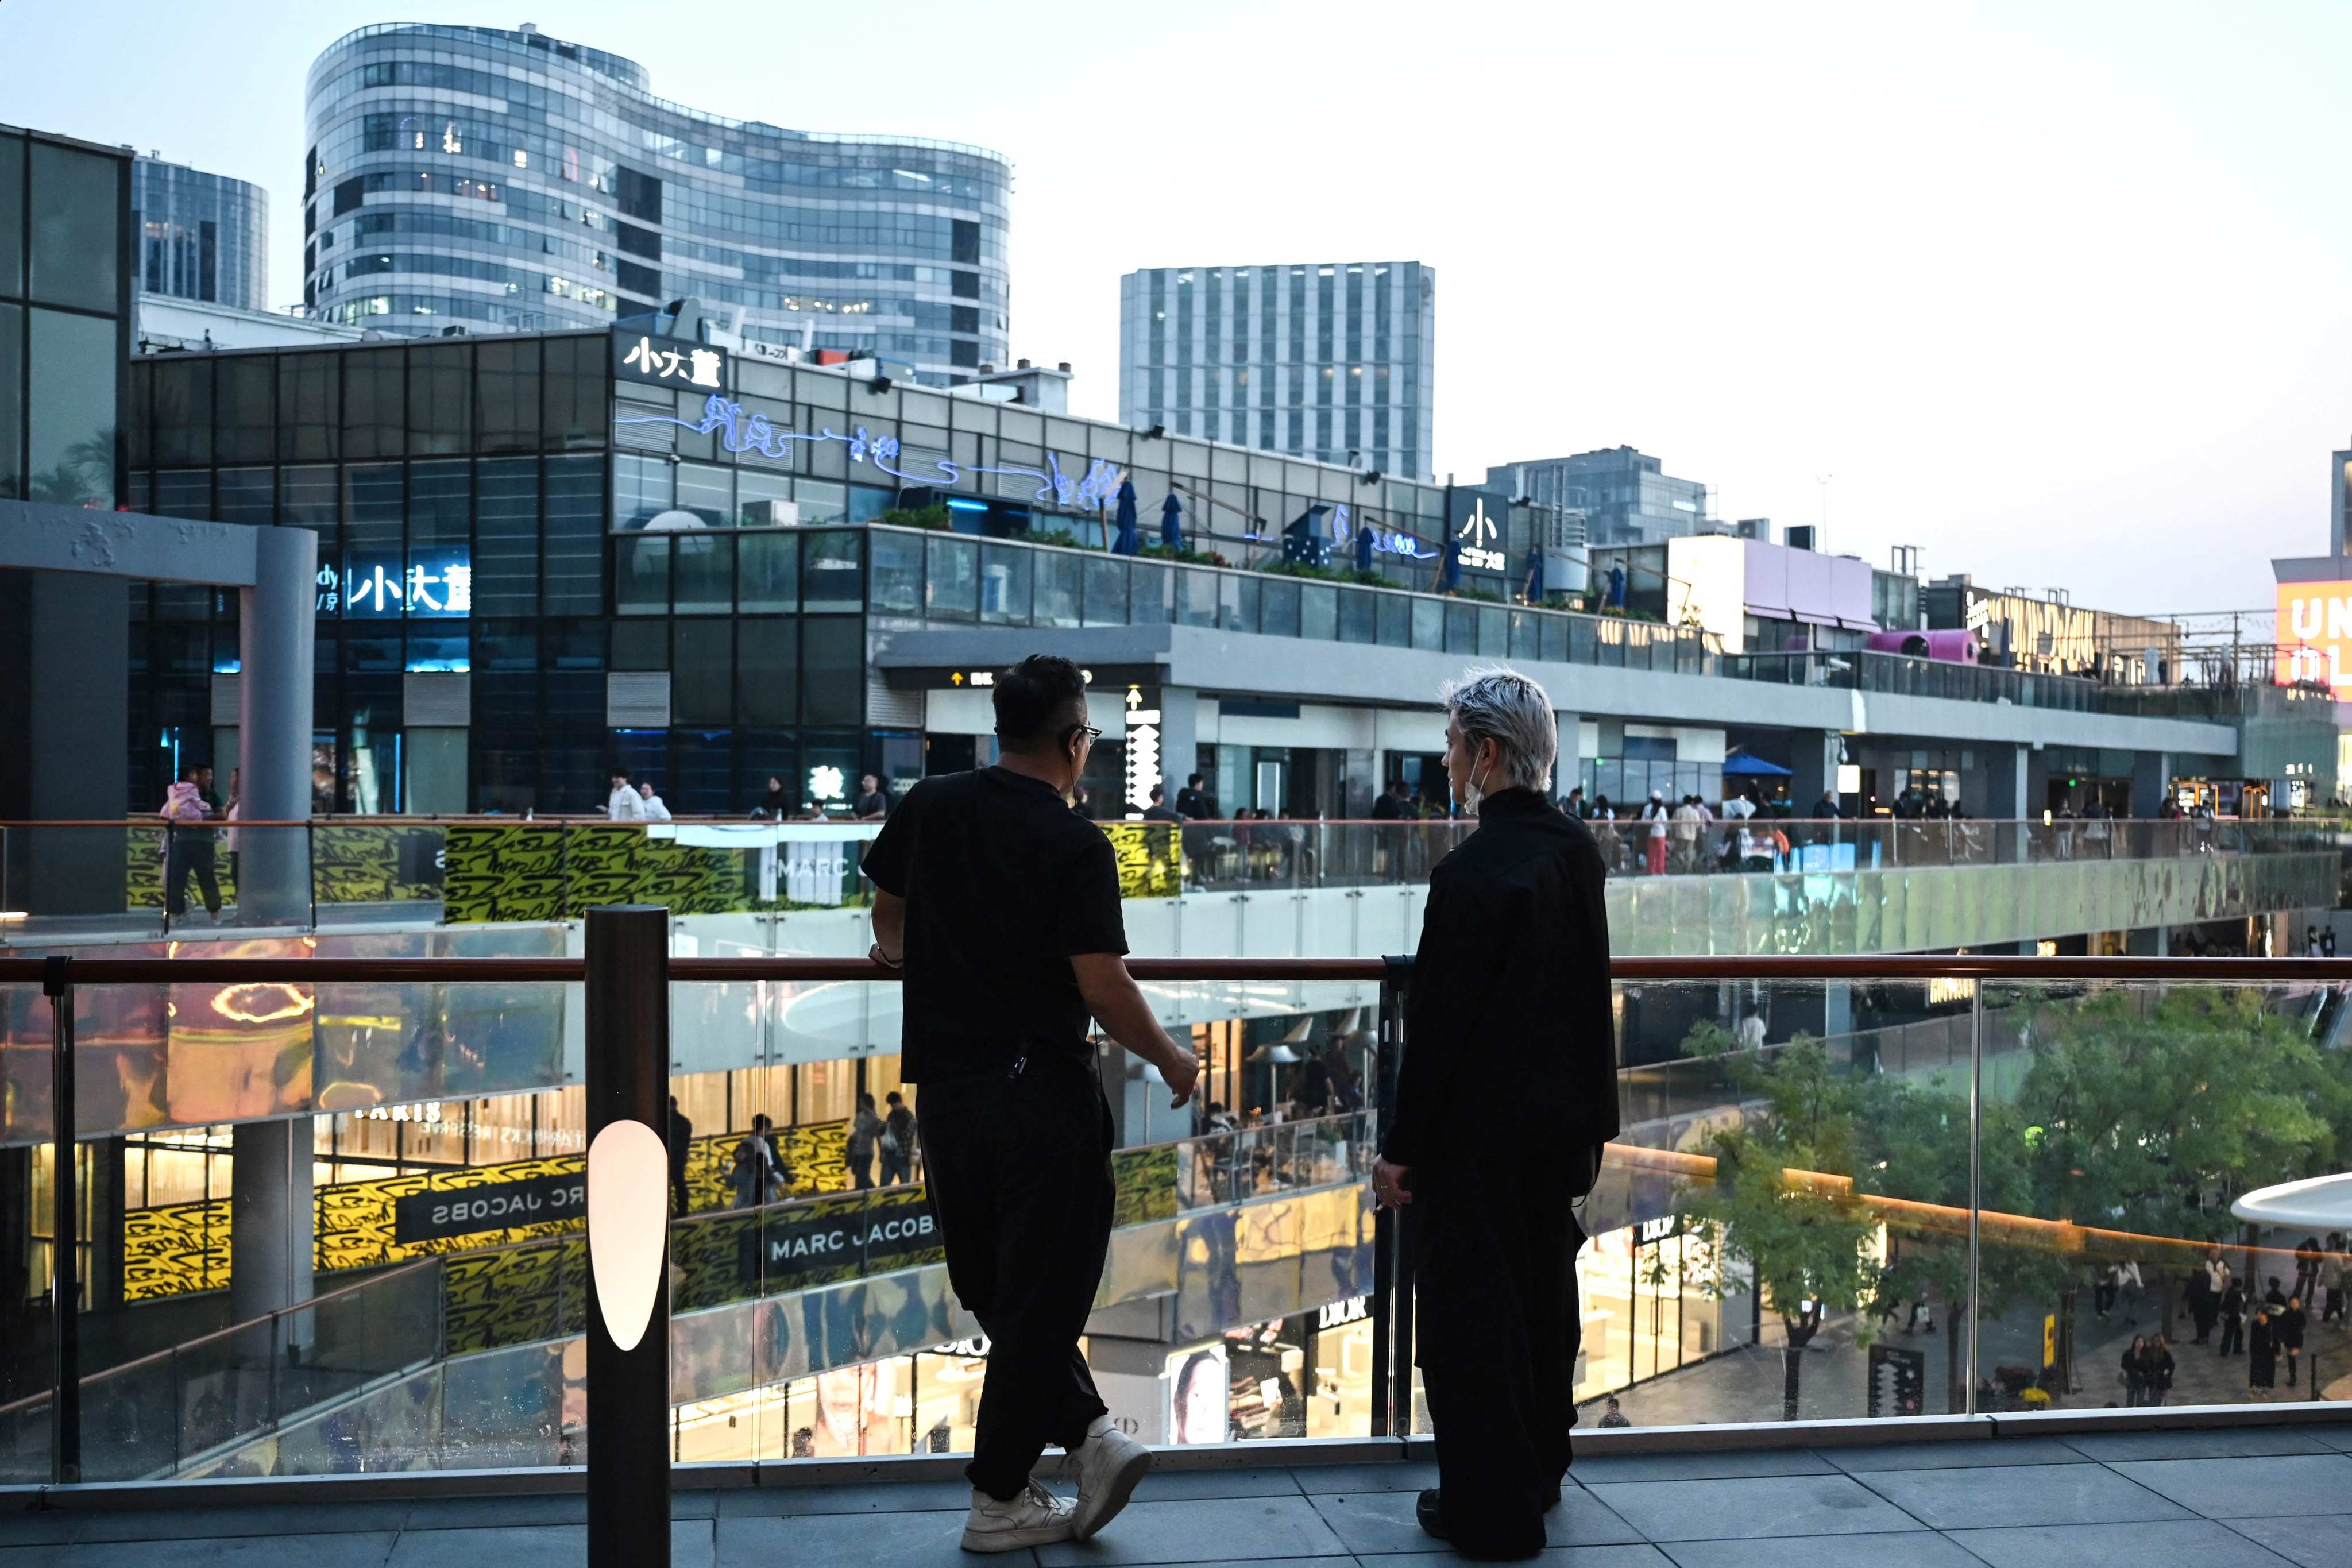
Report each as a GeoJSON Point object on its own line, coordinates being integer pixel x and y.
{"type": "Point", "coordinates": [1088, 730]}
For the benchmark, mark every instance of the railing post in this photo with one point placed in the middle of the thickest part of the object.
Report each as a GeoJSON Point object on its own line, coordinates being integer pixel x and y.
{"type": "Point", "coordinates": [1392, 1306]}
{"type": "Point", "coordinates": [1976, 1182]}
{"type": "Point", "coordinates": [627, 1011]}
{"type": "Point", "coordinates": [65, 1230]}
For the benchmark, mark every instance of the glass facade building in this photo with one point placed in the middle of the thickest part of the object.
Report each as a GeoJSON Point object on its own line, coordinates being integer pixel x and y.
{"type": "Point", "coordinates": [1626, 497]}
{"type": "Point", "coordinates": [1330, 361]}
{"type": "Point", "coordinates": [199, 237]}
{"type": "Point", "coordinates": [64, 312]}
{"type": "Point", "coordinates": [467, 175]}
{"type": "Point", "coordinates": [691, 582]}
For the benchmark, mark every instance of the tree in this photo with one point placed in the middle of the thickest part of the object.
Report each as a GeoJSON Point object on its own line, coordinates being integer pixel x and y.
{"type": "Point", "coordinates": [1804, 1240]}
{"type": "Point", "coordinates": [2147, 1111]}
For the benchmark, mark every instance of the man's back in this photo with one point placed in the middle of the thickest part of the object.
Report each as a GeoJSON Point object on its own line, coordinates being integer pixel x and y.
{"type": "Point", "coordinates": [1003, 885]}
{"type": "Point", "coordinates": [1516, 992]}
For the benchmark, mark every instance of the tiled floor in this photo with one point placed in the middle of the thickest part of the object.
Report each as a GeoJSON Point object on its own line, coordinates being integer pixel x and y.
{"type": "Point", "coordinates": [2214, 1497]}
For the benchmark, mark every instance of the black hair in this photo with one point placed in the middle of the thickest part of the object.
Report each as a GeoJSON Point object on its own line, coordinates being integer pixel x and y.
{"type": "Point", "coordinates": [1159, 790]}
{"type": "Point", "coordinates": [1037, 700]}
{"type": "Point", "coordinates": [188, 771]}
{"type": "Point", "coordinates": [1192, 779]}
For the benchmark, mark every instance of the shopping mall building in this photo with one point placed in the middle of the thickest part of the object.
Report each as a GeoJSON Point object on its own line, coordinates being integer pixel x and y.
{"type": "Point", "coordinates": [533, 557]}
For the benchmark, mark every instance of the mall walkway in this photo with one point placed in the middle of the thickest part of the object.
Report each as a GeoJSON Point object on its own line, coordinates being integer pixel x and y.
{"type": "Point", "coordinates": [2215, 1497]}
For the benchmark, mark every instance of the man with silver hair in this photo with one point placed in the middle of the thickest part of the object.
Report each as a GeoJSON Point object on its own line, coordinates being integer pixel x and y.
{"type": "Point", "coordinates": [1507, 1092]}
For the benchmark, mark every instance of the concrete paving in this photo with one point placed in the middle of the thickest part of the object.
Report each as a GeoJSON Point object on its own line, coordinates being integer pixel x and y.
{"type": "Point", "coordinates": [2213, 1496]}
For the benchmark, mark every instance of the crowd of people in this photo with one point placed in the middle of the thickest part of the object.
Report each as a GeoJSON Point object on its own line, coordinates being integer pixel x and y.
{"type": "Point", "coordinates": [2269, 1329]}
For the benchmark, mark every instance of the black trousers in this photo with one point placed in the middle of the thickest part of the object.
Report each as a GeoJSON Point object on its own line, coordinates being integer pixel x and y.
{"type": "Point", "coordinates": [1019, 1173]}
{"type": "Point", "coordinates": [1496, 1325]}
{"type": "Point", "coordinates": [2233, 1334]}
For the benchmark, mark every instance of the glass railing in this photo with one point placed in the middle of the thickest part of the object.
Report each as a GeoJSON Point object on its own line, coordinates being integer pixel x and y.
{"type": "Point", "coordinates": [1851, 1189]}
{"type": "Point", "coordinates": [1898, 674]}
{"type": "Point", "coordinates": [394, 876]}
{"type": "Point", "coordinates": [172, 1411]}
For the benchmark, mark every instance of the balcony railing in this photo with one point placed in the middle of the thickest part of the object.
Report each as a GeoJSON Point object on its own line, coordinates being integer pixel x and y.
{"type": "Point", "coordinates": [187, 881]}
{"type": "Point", "coordinates": [1859, 1187]}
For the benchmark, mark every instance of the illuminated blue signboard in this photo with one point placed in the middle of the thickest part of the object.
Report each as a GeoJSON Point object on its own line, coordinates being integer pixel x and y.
{"type": "Point", "coordinates": [375, 585]}
{"type": "Point", "coordinates": [740, 432]}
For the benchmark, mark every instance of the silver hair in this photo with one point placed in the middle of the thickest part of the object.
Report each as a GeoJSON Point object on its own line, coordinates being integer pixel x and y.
{"type": "Point", "coordinates": [1494, 703]}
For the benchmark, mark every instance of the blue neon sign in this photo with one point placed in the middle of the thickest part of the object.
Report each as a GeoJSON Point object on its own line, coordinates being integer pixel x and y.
{"type": "Point", "coordinates": [739, 433]}
{"type": "Point", "coordinates": [377, 585]}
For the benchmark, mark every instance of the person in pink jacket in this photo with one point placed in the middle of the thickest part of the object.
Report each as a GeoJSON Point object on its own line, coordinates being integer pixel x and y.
{"type": "Point", "coordinates": [189, 844]}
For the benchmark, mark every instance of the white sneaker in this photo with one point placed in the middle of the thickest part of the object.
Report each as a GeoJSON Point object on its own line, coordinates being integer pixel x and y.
{"type": "Point", "coordinates": [1110, 1463]}
{"type": "Point", "coordinates": [1036, 1518]}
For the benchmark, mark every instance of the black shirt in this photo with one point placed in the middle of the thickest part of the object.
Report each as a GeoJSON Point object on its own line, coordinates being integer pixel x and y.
{"type": "Point", "coordinates": [871, 806]}
{"type": "Point", "coordinates": [1160, 814]}
{"type": "Point", "coordinates": [1510, 998]}
{"type": "Point", "coordinates": [1003, 885]}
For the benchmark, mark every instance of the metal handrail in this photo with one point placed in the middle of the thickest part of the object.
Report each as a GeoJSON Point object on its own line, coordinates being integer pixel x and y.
{"type": "Point", "coordinates": [558, 971]}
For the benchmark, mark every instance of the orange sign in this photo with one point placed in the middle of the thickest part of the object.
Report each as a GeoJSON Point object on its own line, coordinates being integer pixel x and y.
{"type": "Point", "coordinates": [2314, 632]}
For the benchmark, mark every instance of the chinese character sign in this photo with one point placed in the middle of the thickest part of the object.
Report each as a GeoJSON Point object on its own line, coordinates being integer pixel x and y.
{"type": "Point", "coordinates": [435, 582]}
{"type": "Point", "coordinates": [668, 362]}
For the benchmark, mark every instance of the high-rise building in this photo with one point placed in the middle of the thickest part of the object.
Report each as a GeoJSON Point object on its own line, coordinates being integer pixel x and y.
{"type": "Point", "coordinates": [199, 237]}
{"type": "Point", "coordinates": [468, 176]}
{"type": "Point", "coordinates": [1333, 360]}
{"type": "Point", "coordinates": [1626, 497]}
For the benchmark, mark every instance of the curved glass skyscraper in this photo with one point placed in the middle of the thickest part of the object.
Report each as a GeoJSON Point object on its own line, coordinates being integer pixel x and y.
{"type": "Point", "coordinates": [199, 236]}
{"type": "Point", "coordinates": [461, 175]}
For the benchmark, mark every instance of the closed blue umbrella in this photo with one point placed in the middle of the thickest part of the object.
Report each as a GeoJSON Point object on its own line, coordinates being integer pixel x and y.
{"type": "Point", "coordinates": [1449, 576]}
{"type": "Point", "coordinates": [1535, 576]}
{"type": "Point", "coordinates": [1172, 522]}
{"type": "Point", "coordinates": [1129, 541]}
{"type": "Point", "coordinates": [1363, 547]}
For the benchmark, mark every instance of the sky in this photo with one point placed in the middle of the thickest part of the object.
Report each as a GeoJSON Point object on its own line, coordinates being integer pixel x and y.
{"type": "Point", "coordinates": [2053, 294]}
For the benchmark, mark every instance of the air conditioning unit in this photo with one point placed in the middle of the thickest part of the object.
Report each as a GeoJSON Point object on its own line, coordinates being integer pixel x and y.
{"type": "Point", "coordinates": [772, 514]}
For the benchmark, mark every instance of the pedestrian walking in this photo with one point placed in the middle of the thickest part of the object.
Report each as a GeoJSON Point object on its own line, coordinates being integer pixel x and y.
{"type": "Point", "coordinates": [188, 844]}
{"type": "Point", "coordinates": [1656, 816]}
{"type": "Point", "coordinates": [680, 1140]}
{"type": "Point", "coordinates": [1003, 909]}
{"type": "Point", "coordinates": [2159, 1367]}
{"type": "Point", "coordinates": [752, 1174]}
{"type": "Point", "coordinates": [2134, 1370]}
{"type": "Point", "coordinates": [1511, 985]}
{"type": "Point", "coordinates": [625, 804]}
{"type": "Point", "coordinates": [2233, 1318]}
{"type": "Point", "coordinates": [2274, 1298]}
{"type": "Point", "coordinates": [651, 807]}
{"type": "Point", "coordinates": [864, 1133]}
{"type": "Point", "coordinates": [2203, 1301]}
{"type": "Point", "coordinates": [2306, 1267]}
{"type": "Point", "coordinates": [2291, 1325]}
{"type": "Point", "coordinates": [2331, 1278]}
{"type": "Point", "coordinates": [898, 1141]}
{"type": "Point", "coordinates": [2262, 1356]}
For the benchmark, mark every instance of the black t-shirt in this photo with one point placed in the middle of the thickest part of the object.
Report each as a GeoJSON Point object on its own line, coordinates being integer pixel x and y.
{"type": "Point", "coordinates": [1003, 885]}
{"type": "Point", "coordinates": [871, 806]}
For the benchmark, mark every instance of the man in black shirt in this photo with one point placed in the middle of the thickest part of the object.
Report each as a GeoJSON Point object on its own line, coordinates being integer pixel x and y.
{"type": "Point", "coordinates": [872, 805]}
{"type": "Point", "coordinates": [1003, 910]}
{"type": "Point", "coordinates": [1192, 801]}
{"type": "Point", "coordinates": [1510, 986]}
{"type": "Point", "coordinates": [1158, 810]}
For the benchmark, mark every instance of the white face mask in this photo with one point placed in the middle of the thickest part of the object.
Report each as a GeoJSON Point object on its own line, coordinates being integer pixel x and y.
{"type": "Point", "coordinates": [1471, 793]}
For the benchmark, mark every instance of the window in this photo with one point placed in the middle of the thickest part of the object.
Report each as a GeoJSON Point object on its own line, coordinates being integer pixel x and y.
{"type": "Point", "coordinates": [247, 495]}
{"type": "Point", "coordinates": [641, 575]}
{"type": "Point", "coordinates": [440, 502]}
{"type": "Point", "coordinates": [244, 416]}
{"type": "Point", "coordinates": [506, 537]}
{"type": "Point", "coordinates": [1057, 602]}
{"type": "Point", "coordinates": [440, 398]}
{"type": "Point", "coordinates": [309, 411]}
{"type": "Point", "coordinates": [768, 573]}
{"type": "Point", "coordinates": [576, 378]}
{"type": "Point", "coordinates": [184, 410]}
{"type": "Point", "coordinates": [506, 392]}
{"type": "Point", "coordinates": [702, 671]}
{"type": "Point", "coordinates": [896, 580]}
{"type": "Point", "coordinates": [69, 455]}
{"type": "Point", "coordinates": [767, 671]}
{"type": "Point", "coordinates": [952, 579]}
{"type": "Point", "coordinates": [375, 403]}
{"type": "Point", "coordinates": [1005, 579]}
{"type": "Point", "coordinates": [832, 578]}
{"type": "Point", "coordinates": [833, 659]}
{"type": "Point", "coordinates": [76, 200]}
{"type": "Point", "coordinates": [11, 237]}
{"type": "Point", "coordinates": [572, 583]}
{"type": "Point", "coordinates": [703, 566]}
{"type": "Point", "coordinates": [642, 488]}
